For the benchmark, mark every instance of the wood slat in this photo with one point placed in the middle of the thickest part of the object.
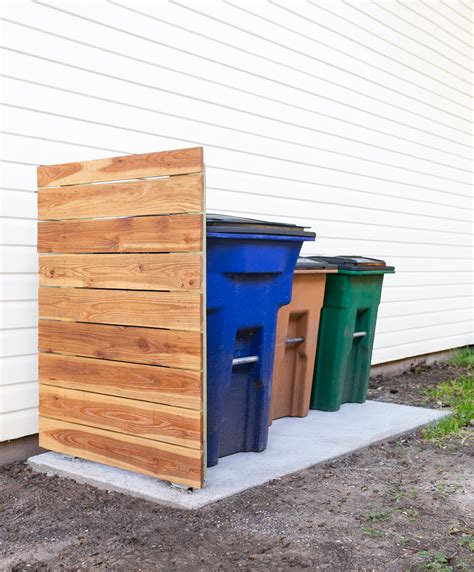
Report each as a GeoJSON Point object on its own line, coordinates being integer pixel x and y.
{"type": "Point", "coordinates": [169, 462]}
{"type": "Point", "coordinates": [171, 310]}
{"type": "Point", "coordinates": [176, 233]}
{"type": "Point", "coordinates": [168, 386]}
{"type": "Point", "coordinates": [123, 343]}
{"type": "Point", "coordinates": [173, 425]}
{"type": "Point", "coordinates": [171, 195]}
{"type": "Point", "coordinates": [176, 162]}
{"type": "Point", "coordinates": [132, 271]}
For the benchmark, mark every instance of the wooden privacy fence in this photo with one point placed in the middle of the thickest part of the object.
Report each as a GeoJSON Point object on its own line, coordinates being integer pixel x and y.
{"type": "Point", "coordinates": [122, 312]}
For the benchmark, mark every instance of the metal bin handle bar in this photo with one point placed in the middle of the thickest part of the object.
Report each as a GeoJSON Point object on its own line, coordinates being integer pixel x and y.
{"type": "Point", "coordinates": [245, 360]}
{"type": "Point", "coordinates": [360, 334]}
{"type": "Point", "coordinates": [291, 341]}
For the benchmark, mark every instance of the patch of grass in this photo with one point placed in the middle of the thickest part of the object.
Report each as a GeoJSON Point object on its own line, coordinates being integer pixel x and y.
{"type": "Point", "coordinates": [372, 532]}
{"type": "Point", "coordinates": [464, 357]}
{"type": "Point", "coordinates": [380, 516]}
{"type": "Point", "coordinates": [444, 489]}
{"type": "Point", "coordinates": [458, 395]}
{"type": "Point", "coordinates": [467, 540]}
{"type": "Point", "coordinates": [438, 562]}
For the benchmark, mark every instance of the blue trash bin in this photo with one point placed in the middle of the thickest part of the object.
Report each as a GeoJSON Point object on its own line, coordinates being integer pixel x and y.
{"type": "Point", "coordinates": [250, 268]}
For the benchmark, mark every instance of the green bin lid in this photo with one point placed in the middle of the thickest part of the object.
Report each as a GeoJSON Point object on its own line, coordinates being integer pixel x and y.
{"type": "Point", "coordinates": [233, 224]}
{"type": "Point", "coordinates": [351, 263]}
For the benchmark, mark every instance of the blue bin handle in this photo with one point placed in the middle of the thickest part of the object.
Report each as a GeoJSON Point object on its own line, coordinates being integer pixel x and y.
{"type": "Point", "coordinates": [245, 360]}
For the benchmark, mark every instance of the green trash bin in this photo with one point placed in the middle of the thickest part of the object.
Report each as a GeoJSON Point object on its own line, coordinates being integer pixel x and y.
{"type": "Point", "coordinates": [346, 331]}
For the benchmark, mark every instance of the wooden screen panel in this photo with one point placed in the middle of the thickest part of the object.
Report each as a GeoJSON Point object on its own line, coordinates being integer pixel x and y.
{"type": "Point", "coordinates": [166, 163]}
{"type": "Point", "coordinates": [174, 463]}
{"type": "Point", "coordinates": [164, 233]}
{"type": "Point", "coordinates": [169, 348]}
{"type": "Point", "coordinates": [166, 385]}
{"type": "Point", "coordinates": [172, 195]}
{"type": "Point", "coordinates": [128, 271]}
{"type": "Point", "coordinates": [172, 310]}
{"type": "Point", "coordinates": [122, 317]}
{"type": "Point", "coordinates": [142, 418]}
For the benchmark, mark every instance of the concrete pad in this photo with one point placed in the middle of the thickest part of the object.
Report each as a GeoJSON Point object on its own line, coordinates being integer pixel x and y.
{"type": "Point", "coordinates": [294, 444]}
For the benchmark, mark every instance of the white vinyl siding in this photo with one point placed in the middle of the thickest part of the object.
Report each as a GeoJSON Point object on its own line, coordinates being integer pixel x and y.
{"type": "Point", "coordinates": [352, 118]}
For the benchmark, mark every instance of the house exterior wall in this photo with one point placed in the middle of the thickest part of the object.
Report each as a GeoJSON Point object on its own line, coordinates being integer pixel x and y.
{"type": "Point", "coordinates": [352, 118]}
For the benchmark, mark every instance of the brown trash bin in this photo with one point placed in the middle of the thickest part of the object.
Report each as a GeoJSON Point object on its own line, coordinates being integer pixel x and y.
{"type": "Point", "coordinates": [296, 340]}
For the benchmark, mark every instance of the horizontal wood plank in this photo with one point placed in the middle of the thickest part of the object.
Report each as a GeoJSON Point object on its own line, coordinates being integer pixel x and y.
{"type": "Point", "coordinates": [165, 385]}
{"type": "Point", "coordinates": [176, 162]}
{"type": "Point", "coordinates": [168, 462]}
{"type": "Point", "coordinates": [171, 310]}
{"type": "Point", "coordinates": [133, 271]}
{"type": "Point", "coordinates": [173, 349]}
{"type": "Point", "coordinates": [171, 195]}
{"type": "Point", "coordinates": [140, 418]}
{"type": "Point", "coordinates": [174, 233]}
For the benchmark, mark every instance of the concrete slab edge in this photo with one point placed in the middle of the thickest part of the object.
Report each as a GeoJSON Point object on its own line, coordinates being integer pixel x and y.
{"type": "Point", "coordinates": [183, 499]}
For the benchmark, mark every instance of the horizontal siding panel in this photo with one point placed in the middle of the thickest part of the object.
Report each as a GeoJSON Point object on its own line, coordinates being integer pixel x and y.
{"type": "Point", "coordinates": [388, 339]}
{"type": "Point", "coordinates": [22, 342]}
{"type": "Point", "coordinates": [435, 318]}
{"type": "Point", "coordinates": [18, 287]}
{"type": "Point", "coordinates": [16, 424]}
{"type": "Point", "coordinates": [236, 111]}
{"type": "Point", "coordinates": [409, 308]}
{"type": "Point", "coordinates": [18, 259]}
{"type": "Point", "coordinates": [21, 232]}
{"type": "Point", "coordinates": [141, 125]}
{"type": "Point", "coordinates": [423, 346]}
{"type": "Point", "coordinates": [18, 314]}
{"type": "Point", "coordinates": [15, 397]}
{"type": "Point", "coordinates": [18, 369]}
{"type": "Point", "coordinates": [18, 204]}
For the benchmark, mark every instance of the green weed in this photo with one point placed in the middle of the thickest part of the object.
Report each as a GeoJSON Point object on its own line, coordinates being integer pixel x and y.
{"type": "Point", "coordinates": [438, 562]}
{"type": "Point", "coordinates": [458, 395]}
{"type": "Point", "coordinates": [464, 357]}
{"type": "Point", "coordinates": [444, 489]}
{"type": "Point", "coordinates": [467, 540]}
{"type": "Point", "coordinates": [372, 532]}
{"type": "Point", "coordinates": [380, 516]}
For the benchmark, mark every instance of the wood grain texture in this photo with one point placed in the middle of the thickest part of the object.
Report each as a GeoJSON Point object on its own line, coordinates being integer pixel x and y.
{"type": "Point", "coordinates": [165, 385]}
{"type": "Point", "coordinates": [171, 195]}
{"type": "Point", "coordinates": [173, 349]}
{"type": "Point", "coordinates": [174, 233]}
{"type": "Point", "coordinates": [140, 418]}
{"type": "Point", "coordinates": [162, 460]}
{"type": "Point", "coordinates": [127, 271]}
{"type": "Point", "coordinates": [172, 310]}
{"type": "Point", "coordinates": [176, 162]}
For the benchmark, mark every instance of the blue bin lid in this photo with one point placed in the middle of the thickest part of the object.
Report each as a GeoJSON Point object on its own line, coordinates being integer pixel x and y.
{"type": "Point", "coordinates": [355, 263]}
{"type": "Point", "coordinates": [239, 225]}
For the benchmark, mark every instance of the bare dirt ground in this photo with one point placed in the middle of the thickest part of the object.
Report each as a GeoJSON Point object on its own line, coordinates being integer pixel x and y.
{"type": "Point", "coordinates": [401, 505]}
